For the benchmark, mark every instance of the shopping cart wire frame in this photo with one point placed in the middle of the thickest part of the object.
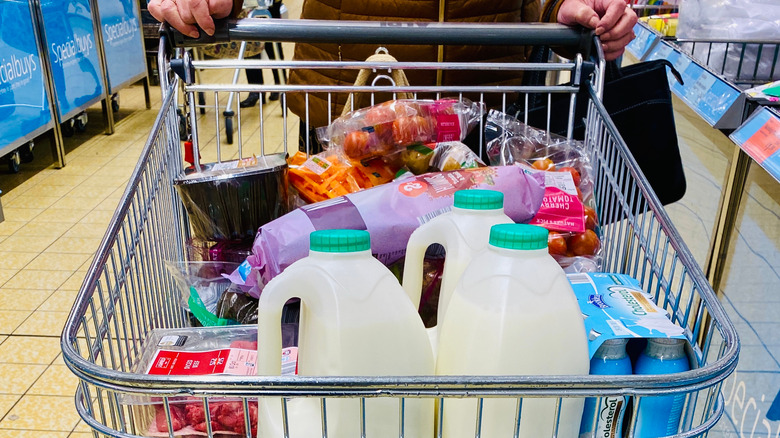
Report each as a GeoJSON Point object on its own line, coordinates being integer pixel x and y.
{"type": "Point", "coordinates": [127, 292]}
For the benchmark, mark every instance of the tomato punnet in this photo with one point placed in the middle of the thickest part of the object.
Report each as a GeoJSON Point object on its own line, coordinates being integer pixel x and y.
{"type": "Point", "coordinates": [556, 244]}
{"type": "Point", "coordinates": [544, 164]}
{"type": "Point", "coordinates": [584, 244]}
{"type": "Point", "coordinates": [575, 175]}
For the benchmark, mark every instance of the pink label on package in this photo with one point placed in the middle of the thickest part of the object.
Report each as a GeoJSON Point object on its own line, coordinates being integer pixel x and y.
{"type": "Point", "coordinates": [561, 209]}
{"type": "Point", "coordinates": [233, 361]}
{"type": "Point", "coordinates": [447, 127]}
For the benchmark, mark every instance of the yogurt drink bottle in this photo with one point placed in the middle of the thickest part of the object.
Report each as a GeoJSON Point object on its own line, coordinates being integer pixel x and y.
{"type": "Point", "coordinates": [356, 320]}
{"type": "Point", "coordinates": [660, 416]}
{"type": "Point", "coordinates": [463, 232]}
{"type": "Point", "coordinates": [603, 417]}
{"type": "Point", "coordinates": [513, 313]}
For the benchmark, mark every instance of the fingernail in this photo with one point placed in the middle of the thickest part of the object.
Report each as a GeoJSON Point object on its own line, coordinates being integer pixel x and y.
{"type": "Point", "coordinates": [599, 30]}
{"type": "Point", "coordinates": [210, 32]}
{"type": "Point", "coordinates": [194, 34]}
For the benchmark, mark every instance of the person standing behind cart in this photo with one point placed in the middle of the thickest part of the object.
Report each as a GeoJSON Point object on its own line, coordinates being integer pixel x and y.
{"type": "Point", "coordinates": [612, 20]}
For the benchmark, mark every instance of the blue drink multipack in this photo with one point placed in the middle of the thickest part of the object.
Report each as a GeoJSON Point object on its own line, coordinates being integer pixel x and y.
{"type": "Point", "coordinates": [629, 334]}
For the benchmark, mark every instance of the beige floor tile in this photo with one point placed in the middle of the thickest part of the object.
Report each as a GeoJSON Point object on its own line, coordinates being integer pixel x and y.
{"type": "Point", "coordinates": [57, 215]}
{"type": "Point", "coordinates": [90, 159]}
{"type": "Point", "coordinates": [48, 190]}
{"type": "Point", "coordinates": [58, 261]}
{"type": "Point", "coordinates": [23, 299]}
{"type": "Point", "coordinates": [82, 427]}
{"type": "Point", "coordinates": [37, 279]}
{"type": "Point", "coordinates": [10, 433]}
{"type": "Point", "coordinates": [105, 181]}
{"type": "Point", "coordinates": [32, 201]}
{"type": "Point", "coordinates": [42, 323]}
{"type": "Point", "coordinates": [73, 169]}
{"type": "Point", "coordinates": [85, 267]}
{"type": "Point", "coordinates": [25, 349]}
{"type": "Point", "coordinates": [36, 412]}
{"type": "Point", "coordinates": [98, 217]}
{"type": "Point", "coordinates": [20, 214]}
{"type": "Point", "coordinates": [74, 282]}
{"type": "Point", "coordinates": [91, 192]}
{"type": "Point", "coordinates": [74, 245]}
{"type": "Point", "coordinates": [16, 260]}
{"type": "Point", "coordinates": [7, 274]}
{"type": "Point", "coordinates": [74, 203]}
{"type": "Point", "coordinates": [85, 230]}
{"type": "Point", "coordinates": [66, 180]}
{"type": "Point", "coordinates": [34, 229]}
{"type": "Point", "coordinates": [62, 300]}
{"type": "Point", "coordinates": [18, 378]}
{"type": "Point", "coordinates": [108, 204]}
{"type": "Point", "coordinates": [3, 338]}
{"type": "Point", "coordinates": [9, 227]}
{"type": "Point", "coordinates": [11, 319]}
{"type": "Point", "coordinates": [6, 403]}
{"type": "Point", "coordinates": [27, 243]}
{"type": "Point", "coordinates": [56, 380]}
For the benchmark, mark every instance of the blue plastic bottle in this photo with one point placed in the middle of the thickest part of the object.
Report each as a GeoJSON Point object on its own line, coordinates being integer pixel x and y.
{"type": "Point", "coordinates": [610, 359]}
{"type": "Point", "coordinates": [661, 356]}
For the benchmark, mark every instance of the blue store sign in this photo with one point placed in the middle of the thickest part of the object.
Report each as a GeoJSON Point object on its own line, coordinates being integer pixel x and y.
{"type": "Point", "coordinates": [73, 53]}
{"type": "Point", "coordinates": [122, 41]}
{"type": "Point", "coordinates": [24, 106]}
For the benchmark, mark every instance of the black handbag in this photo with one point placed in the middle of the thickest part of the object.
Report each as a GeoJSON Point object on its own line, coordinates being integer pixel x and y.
{"type": "Point", "coordinates": [639, 102]}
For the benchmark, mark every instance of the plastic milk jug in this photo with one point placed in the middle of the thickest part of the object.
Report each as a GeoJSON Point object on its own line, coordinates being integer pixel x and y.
{"type": "Point", "coordinates": [356, 320]}
{"type": "Point", "coordinates": [660, 416]}
{"type": "Point", "coordinates": [513, 313]}
{"type": "Point", "coordinates": [463, 232]}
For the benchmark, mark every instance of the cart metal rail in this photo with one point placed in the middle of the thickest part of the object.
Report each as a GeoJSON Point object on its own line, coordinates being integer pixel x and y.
{"type": "Point", "coordinates": [127, 291]}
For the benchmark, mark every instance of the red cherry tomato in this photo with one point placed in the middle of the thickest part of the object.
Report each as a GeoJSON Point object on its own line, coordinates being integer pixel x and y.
{"type": "Point", "coordinates": [575, 175]}
{"type": "Point", "coordinates": [590, 218]}
{"type": "Point", "coordinates": [556, 244]}
{"type": "Point", "coordinates": [584, 244]}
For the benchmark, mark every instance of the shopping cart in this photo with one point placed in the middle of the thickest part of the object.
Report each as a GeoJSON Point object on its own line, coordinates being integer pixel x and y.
{"type": "Point", "coordinates": [127, 291]}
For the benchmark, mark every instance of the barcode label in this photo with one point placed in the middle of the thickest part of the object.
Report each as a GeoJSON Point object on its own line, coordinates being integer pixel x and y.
{"type": "Point", "coordinates": [317, 165]}
{"type": "Point", "coordinates": [428, 217]}
{"type": "Point", "coordinates": [578, 278]}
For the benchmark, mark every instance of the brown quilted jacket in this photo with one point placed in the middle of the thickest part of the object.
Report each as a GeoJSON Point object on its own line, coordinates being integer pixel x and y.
{"type": "Point", "coordinates": [406, 10]}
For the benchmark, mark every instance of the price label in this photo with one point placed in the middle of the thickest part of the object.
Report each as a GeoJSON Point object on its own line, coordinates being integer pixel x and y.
{"type": "Point", "coordinates": [696, 93]}
{"type": "Point", "coordinates": [759, 137]}
{"type": "Point", "coordinates": [682, 64]}
{"type": "Point", "coordinates": [663, 51]}
{"type": "Point", "coordinates": [644, 39]}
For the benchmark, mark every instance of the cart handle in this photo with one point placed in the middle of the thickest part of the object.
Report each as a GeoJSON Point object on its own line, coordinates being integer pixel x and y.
{"type": "Point", "coordinates": [392, 32]}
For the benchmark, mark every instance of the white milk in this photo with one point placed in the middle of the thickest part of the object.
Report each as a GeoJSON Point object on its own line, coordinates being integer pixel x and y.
{"type": "Point", "coordinates": [463, 232]}
{"type": "Point", "coordinates": [513, 313]}
{"type": "Point", "coordinates": [356, 320]}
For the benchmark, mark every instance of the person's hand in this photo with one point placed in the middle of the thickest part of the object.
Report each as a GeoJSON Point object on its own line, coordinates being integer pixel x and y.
{"type": "Point", "coordinates": [184, 14]}
{"type": "Point", "coordinates": [613, 21]}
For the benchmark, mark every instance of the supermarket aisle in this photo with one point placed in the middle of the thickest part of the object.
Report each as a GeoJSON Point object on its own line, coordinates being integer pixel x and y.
{"type": "Point", "coordinates": [752, 280]}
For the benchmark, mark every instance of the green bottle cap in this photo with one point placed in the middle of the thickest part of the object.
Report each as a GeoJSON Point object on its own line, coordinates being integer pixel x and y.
{"type": "Point", "coordinates": [518, 236]}
{"type": "Point", "coordinates": [339, 241]}
{"type": "Point", "coordinates": [477, 199]}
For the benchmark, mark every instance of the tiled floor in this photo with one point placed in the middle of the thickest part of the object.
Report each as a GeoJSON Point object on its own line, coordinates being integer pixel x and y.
{"type": "Point", "coordinates": [56, 218]}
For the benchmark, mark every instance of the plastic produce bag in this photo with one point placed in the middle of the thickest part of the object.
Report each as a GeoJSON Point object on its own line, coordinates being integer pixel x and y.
{"type": "Point", "coordinates": [733, 20]}
{"type": "Point", "coordinates": [390, 127]}
{"type": "Point", "coordinates": [390, 212]}
{"type": "Point", "coordinates": [201, 285]}
{"type": "Point", "coordinates": [568, 208]}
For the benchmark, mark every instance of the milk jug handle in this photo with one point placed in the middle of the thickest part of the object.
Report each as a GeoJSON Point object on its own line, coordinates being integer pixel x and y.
{"type": "Point", "coordinates": [269, 318]}
{"type": "Point", "coordinates": [413, 272]}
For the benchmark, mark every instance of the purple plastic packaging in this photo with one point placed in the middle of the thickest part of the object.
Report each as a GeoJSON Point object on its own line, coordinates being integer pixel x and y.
{"type": "Point", "coordinates": [390, 212]}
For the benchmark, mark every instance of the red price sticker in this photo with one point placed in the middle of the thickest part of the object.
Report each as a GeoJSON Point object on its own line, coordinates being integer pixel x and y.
{"type": "Point", "coordinates": [765, 142]}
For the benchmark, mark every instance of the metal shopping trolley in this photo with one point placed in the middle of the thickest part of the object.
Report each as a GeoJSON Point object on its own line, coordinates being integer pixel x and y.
{"type": "Point", "coordinates": [127, 291]}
